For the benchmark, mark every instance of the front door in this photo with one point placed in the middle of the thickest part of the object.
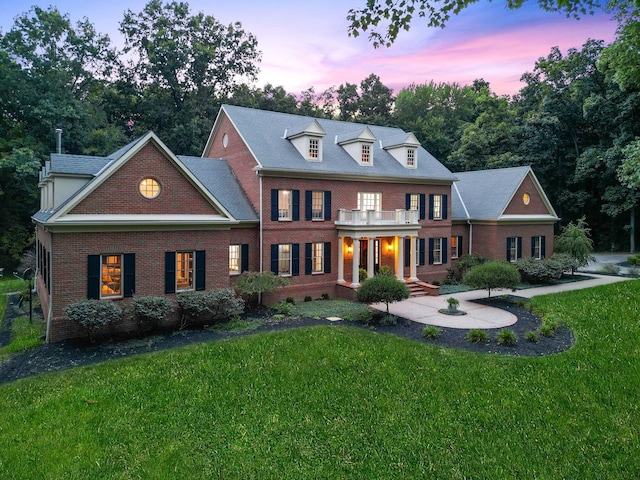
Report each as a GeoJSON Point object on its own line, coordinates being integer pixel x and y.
{"type": "Point", "coordinates": [364, 254]}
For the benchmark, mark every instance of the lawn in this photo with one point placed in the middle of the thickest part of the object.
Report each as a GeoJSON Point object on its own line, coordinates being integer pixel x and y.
{"type": "Point", "coordinates": [341, 402]}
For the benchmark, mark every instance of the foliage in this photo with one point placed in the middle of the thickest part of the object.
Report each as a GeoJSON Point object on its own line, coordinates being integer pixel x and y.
{"type": "Point", "coordinates": [385, 270]}
{"type": "Point", "coordinates": [382, 288]}
{"type": "Point", "coordinates": [531, 337]}
{"type": "Point", "coordinates": [609, 269]}
{"type": "Point", "coordinates": [149, 311]}
{"type": "Point", "coordinates": [250, 283]}
{"type": "Point", "coordinates": [507, 337]}
{"type": "Point", "coordinates": [575, 240]}
{"type": "Point", "coordinates": [569, 264]}
{"type": "Point", "coordinates": [634, 259]}
{"type": "Point", "coordinates": [283, 308]}
{"type": "Point", "coordinates": [539, 271]}
{"type": "Point", "coordinates": [491, 275]}
{"type": "Point", "coordinates": [431, 332]}
{"type": "Point", "coordinates": [469, 260]}
{"type": "Point", "coordinates": [93, 315]}
{"type": "Point", "coordinates": [477, 335]}
{"type": "Point", "coordinates": [395, 16]}
{"type": "Point", "coordinates": [24, 335]}
{"type": "Point", "coordinates": [362, 274]}
{"type": "Point", "coordinates": [453, 301]}
{"type": "Point", "coordinates": [211, 306]}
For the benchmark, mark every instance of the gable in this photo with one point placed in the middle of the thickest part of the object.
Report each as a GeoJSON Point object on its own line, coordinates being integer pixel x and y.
{"type": "Point", "coordinates": [536, 204]}
{"type": "Point", "coordinates": [119, 193]}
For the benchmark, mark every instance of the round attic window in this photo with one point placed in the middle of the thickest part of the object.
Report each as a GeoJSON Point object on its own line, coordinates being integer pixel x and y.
{"type": "Point", "coordinates": [149, 188]}
{"type": "Point", "coordinates": [526, 198]}
{"type": "Point", "coordinates": [225, 140]}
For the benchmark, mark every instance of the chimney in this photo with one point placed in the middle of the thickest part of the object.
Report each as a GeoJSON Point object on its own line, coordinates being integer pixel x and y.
{"type": "Point", "coordinates": [58, 140]}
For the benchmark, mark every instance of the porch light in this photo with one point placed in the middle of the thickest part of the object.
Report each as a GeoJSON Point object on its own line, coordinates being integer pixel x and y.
{"type": "Point", "coordinates": [389, 247]}
{"type": "Point", "coordinates": [350, 249]}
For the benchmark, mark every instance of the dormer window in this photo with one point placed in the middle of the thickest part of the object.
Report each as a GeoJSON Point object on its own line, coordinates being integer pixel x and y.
{"type": "Point", "coordinates": [411, 157]}
{"type": "Point", "coordinates": [314, 148]}
{"type": "Point", "coordinates": [366, 154]}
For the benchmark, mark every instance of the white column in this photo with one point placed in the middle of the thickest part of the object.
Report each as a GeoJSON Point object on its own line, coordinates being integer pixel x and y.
{"type": "Point", "coordinates": [355, 280]}
{"type": "Point", "coordinates": [414, 271]}
{"type": "Point", "coordinates": [399, 258]}
{"type": "Point", "coordinates": [340, 259]}
{"type": "Point", "coordinates": [370, 256]}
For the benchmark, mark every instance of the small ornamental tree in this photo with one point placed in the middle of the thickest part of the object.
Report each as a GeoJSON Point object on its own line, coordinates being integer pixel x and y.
{"type": "Point", "coordinates": [494, 274]}
{"type": "Point", "coordinates": [250, 283]}
{"type": "Point", "coordinates": [382, 288]}
{"type": "Point", "coordinates": [93, 315]}
{"type": "Point", "coordinates": [575, 240]}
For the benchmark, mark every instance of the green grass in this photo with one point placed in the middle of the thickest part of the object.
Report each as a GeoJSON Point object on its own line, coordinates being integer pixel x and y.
{"type": "Point", "coordinates": [341, 402]}
{"type": "Point", "coordinates": [332, 308]}
{"type": "Point", "coordinates": [24, 335]}
{"type": "Point", "coordinates": [11, 284]}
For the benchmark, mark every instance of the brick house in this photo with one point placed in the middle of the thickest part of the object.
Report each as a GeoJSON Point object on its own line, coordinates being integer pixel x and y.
{"type": "Point", "coordinates": [312, 199]}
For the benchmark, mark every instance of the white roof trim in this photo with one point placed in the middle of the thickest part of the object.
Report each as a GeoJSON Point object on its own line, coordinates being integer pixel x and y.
{"type": "Point", "coordinates": [466, 212]}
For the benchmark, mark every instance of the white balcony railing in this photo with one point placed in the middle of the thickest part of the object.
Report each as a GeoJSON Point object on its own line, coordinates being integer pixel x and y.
{"type": "Point", "coordinates": [374, 217]}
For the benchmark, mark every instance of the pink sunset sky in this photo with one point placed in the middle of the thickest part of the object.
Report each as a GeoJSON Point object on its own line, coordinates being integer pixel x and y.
{"type": "Point", "coordinates": [305, 44]}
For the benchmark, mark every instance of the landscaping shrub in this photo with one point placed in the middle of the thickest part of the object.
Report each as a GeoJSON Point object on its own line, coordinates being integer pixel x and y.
{"type": "Point", "coordinates": [547, 331]}
{"type": "Point", "coordinates": [290, 300]}
{"type": "Point", "coordinates": [362, 275]}
{"type": "Point", "coordinates": [94, 315]}
{"type": "Point", "coordinates": [382, 288]}
{"type": "Point", "coordinates": [150, 311]}
{"type": "Point", "coordinates": [494, 274]}
{"type": "Point", "coordinates": [507, 337]}
{"type": "Point", "coordinates": [308, 298]}
{"type": "Point", "coordinates": [250, 283]}
{"type": "Point", "coordinates": [575, 240]}
{"type": "Point", "coordinates": [468, 261]}
{"type": "Point", "coordinates": [325, 296]}
{"type": "Point", "coordinates": [282, 308]}
{"type": "Point", "coordinates": [388, 319]}
{"type": "Point", "coordinates": [609, 269]}
{"type": "Point", "coordinates": [634, 259]}
{"type": "Point", "coordinates": [539, 271]}
{"type": "Point", "coordinates": [569, 264]}
{"type": "Point", "coordinates": [430, 332]}
{"type": "Point", "coordinates": [204, 307]}
{"type": "Point", "coordinates": [477, 335]}
{"type": "Point", "coordinates": [385, 270]}
{"type": "Point", "coordinates": [531, 337]}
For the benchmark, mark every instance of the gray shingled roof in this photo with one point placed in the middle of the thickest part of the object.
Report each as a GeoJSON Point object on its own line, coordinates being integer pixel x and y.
{"type": "Point", "coordinates": [486, 193]}
{"type": "Point", "coordinates": [76, 164]}
{"type": "Point", "coordinates": [218, 178]}
{"type": "Point", "coordinates": [264, 133]}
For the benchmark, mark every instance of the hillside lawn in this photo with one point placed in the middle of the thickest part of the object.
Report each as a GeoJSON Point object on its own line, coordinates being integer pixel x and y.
{"type": "Point", "coordinates": [343, 402]}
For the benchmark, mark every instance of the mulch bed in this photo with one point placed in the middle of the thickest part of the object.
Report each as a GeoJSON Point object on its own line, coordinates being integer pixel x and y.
{"type": "Point", "coordinates": [69, 354]}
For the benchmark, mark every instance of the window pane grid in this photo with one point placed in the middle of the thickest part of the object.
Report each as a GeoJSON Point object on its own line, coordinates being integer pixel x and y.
{"type": "Point", "coordinates": [284, 259]}
{"type": "Point", "coordinates": [234, 258]}
{"type": "Point", "coordinates": [454, 247]}
{"type": "Point", "coordinates": [317, 205]}
{"type": "Point", "coordinates": [537, 254]}
{"type": "Point", "coordinates": [184, 270]}
{"type": "Point", "coordinates": [317, 250]}
{"type": "Point", "coordinates": [411, 157]}
{"type": "Point", "coordinates": [149, 188]}
{"type": "Point", "coordinates": [314, 151]}
{"type": "Point", "coordinates": [437, 250]}
{"type": "Point", "coordinates": [414, 201]}
{"type": "Point", "coordinates": [437, 206]}
{"type": "Point", "coordinates": [284, 205]}
{"type": "Point", "coordinates": [366, 153]}
{"type": "Point", "coordinates": [111, 276]}
{"type": "Point", "coordinates": [513, 251]}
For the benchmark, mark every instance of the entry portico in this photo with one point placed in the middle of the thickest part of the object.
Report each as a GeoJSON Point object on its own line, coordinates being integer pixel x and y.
{"type": "Point", "coordinates": [363, 235]}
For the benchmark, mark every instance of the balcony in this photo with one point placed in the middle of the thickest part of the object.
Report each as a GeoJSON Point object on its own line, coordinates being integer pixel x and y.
{"type": "Point", "coordinates": [377, 218]}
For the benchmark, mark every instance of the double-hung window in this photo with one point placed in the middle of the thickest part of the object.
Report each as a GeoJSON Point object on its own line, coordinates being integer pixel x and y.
{"type": "Point", "coordinates": [365, 154]}
{"type": "Point", "coordinates": [456, 246]}
{"type": "Point", "coordinates": [537, 247]}
{"type": "Point", "coordinates": [314, 148]}
{"type": "Point", "coordinates": [514, 248]}
{"type": "Point", "coordinates": [437, 207]}
{"type": "Point", "coordinates": [368, 201]}
{"type": "Point", "coordinates": [284, 259]}
{"type": "Point", "coordinates": [234, 259]}
{"type": "Point", "coordinates": [437, 251]}
{"type": "Point", "coordinates": [184, 271]}
{"type": "Point", "coordinates": [317, 205]}
{"type": "Point", "coordinates": [111, 285]}
{"type": "Point", "coordinates": [411, 157]}
{"type": "Point", "coordinates": [414, 201]}
{"type": "Point", "coordinates": [284, 204]}
{"type": "Point", "coordinates": [317, 257]}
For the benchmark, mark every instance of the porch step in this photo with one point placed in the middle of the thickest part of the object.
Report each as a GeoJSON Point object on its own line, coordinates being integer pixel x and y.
{"type": "Point", "coordinates": [420, 289]}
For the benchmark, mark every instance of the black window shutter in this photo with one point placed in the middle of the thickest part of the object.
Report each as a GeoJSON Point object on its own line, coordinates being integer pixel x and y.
{"type": "Point", "coordinates": [308, 199]}
{"type": "Point", "coordinates": [407, 252]}
{"type": "Point", "coordinates": [129, 274]}
{"type": "Point", "coordinates": [295, 259]}
{"type": "Point", "coordinates": [307, 259]}
{"type": "Point", "coordinates": [407, 201]}
{"type": "Point", "coordinates": [519, 254]}
{"type": "Point", "coordinates": [327, 205]}
{"type": "Point", "coordinates": [274, 204]}
{"type": "Point", "coordinates": [431, 251]}
{"type": "Point", "coordinates": [431, 206]}
{"type": "Point", "coordinates": [93, 277]}
{"type": "Point", "coordinates": [444, 249]}
{"type": "Point", "coordinates": [543, 247]}
{"type": "Point", "coordinates": [201, 269]}
{"type": "Point", "coordinates": [296, 205]}
{"type": "Point", "coordinates": [444, 207]}
{"type": "Point", "coordinates": [169, 272]}
{"type": "Point", "coordinates": [274, 258]}
{"type": "Point", "coordinates": [508, 249]}
{"type": "Point", "coordinates": [423, 201]}
{"type": "Point", "coordinates": [244, 257]}
{"type": "Point", "coordinates": [327, 257]}
{"type": "Point", "coordinates": [421, 254]}
{"type": "Point", "coordinates": [533, 246]}
{"type": "Point", "coordinates": [460, 249]}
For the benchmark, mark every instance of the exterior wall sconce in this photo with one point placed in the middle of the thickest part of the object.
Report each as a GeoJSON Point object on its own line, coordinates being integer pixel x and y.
{"type": "Point", "coordinates": [389, 247]}
{"type": "Point", "coordinates": [349, 249]}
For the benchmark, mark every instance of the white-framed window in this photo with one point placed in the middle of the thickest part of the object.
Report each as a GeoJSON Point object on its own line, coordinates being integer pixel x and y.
{"type": "Point", "coordinates": [456, 246]}
{"type": "Point", "coordinates": [317, 257]}
{"type": "Point", "coordinates": [536, 247]}
{"type": "Point", "coordinates": [365, 156]}
{"type": "Point", "coordinates": [149, 188]}
{"type": "Point", "coordinates": [111, 280]}
{"type": "Point", "coordinates": [285, 199]}
{"type": "Point", "coordinates": [284, 259]}
{"type": "Point", "coordinates": [411, 157]}
{"type": "Point", "coordinates": [234, 259]}
{"type": "Point", "coordinates": [437, 251]}
{"type": "Point", "coordinates": [184, 271]}
{"type": "Point", "coordinates": [369, 201]}
{"type": "Point", "coordinates": [317, 205]}
{"type": "Point", "coordinates": [414, 201]}
{"type": "Point", "coordinates": [314, 148]}
{"type": "Point", "coordinates": [513, 248]}
{"type": "Point", "coordinates": [437, 207]}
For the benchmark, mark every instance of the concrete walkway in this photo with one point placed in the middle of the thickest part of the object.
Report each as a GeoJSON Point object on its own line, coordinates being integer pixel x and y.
{"type": "Point", "coordinates": [425, 309]}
